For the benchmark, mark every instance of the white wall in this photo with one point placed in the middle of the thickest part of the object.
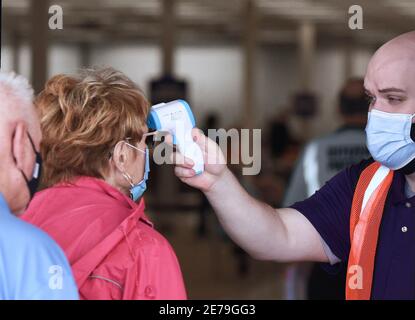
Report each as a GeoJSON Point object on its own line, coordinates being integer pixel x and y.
{"type": "Point", "coordinates": [327, 80]}
{"type": "Point", "coordinates": [140, 63]}
{"type": "Point", "coordinates": [23, 58]}
{"type": "Point", "coordinates": [215, 78]}
{"type": "Point", "coordinates": [360, 59]}
{"type": "Point", "coordinates": [6, 59]}
{"type": "Point", "coordinates": [214, 74]}
{"type": "Point", "coordinates": [276, 80]}
{"type": "Point", "coordinates": [62, 59]}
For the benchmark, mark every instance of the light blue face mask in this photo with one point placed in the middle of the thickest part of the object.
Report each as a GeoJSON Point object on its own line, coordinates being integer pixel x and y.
{"type": "Point", "coordinates": [137, 190]}
{"type": "Point", "coordinates": [389, 138]}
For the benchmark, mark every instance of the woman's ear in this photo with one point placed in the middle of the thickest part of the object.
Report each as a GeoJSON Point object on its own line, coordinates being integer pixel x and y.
{"type": "Point", "coordinates": [120, 156]}
{"type": "Point", "coordinates": [22, 150]}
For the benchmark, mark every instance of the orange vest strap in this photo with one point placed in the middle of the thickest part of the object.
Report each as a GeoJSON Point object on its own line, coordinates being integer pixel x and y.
{"type": "Point", "coordinates": [365, 218]}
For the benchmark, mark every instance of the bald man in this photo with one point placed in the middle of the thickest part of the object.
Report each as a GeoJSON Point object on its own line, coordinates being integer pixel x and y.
{"type": "Point", "coordinates": [32, 266]}
{"type": "Point", "coordinates": [364, 217]}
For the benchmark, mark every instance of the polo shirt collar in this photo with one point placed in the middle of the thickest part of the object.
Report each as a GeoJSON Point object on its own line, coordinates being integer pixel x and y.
{"type": "Point", "coordinates": [397, 192]}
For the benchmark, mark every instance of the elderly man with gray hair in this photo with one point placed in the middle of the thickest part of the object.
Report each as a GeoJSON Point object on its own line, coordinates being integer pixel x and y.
{"type": "Point", "coordinates": [32, 266]}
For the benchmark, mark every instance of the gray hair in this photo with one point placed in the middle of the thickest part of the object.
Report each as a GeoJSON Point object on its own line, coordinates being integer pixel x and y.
{"type": "Point", "coordinates": [18, 86]}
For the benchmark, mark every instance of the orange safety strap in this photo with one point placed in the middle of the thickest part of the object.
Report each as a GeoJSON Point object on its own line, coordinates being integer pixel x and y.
{"type": "Point", "coordinates": [365, 217]}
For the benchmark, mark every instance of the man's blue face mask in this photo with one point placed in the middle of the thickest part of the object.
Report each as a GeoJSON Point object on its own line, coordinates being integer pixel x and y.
{"type": "Point", "coordinates": [389, 138]}
{"type": "Point", "coordinates": [137, 189]}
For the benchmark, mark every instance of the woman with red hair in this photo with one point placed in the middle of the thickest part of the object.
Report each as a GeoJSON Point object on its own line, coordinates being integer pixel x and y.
{"type": "Point", "coordinates": [95, 167]}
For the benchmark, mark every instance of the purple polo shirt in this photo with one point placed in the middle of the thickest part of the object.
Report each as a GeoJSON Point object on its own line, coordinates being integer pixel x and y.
{"type": "Point", "coordinates": [329, 212]}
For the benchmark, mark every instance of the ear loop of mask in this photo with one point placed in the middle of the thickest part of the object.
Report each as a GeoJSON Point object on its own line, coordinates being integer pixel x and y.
{"type": "Point", "coordinates": [139, 188]}
{"type": "Point", "coordinates": [128, 178]}
{"type": "Point", "coordinates": [147, 163]}
{"type": "Point", "coordinates": [146, 168]}
{"type": "Point", "coordinates": [413, 132]}
{"type": "Point", "coordinates": [134, 147]}
{"type": "Point", "coordinates": [410, 167]}
{"type": "Point", "coordinates": [36, 168]}
{"type": "Point", "coordinates": [33, 182]}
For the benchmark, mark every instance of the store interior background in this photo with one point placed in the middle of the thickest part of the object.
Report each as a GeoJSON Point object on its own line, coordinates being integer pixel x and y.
{"type": "Point", "coordinates": [243, 61]}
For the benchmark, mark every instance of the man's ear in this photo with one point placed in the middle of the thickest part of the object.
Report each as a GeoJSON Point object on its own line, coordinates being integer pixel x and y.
{"type": "Point", "coordinates": [21, 149]}
{"type": "Point", "coordinates": [120, 156]}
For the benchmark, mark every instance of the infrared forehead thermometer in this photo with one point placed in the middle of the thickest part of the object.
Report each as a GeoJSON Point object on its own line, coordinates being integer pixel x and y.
{"type": "Point", "coordinates": [177, 118]}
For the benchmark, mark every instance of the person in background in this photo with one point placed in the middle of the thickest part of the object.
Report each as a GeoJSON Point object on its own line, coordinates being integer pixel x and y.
{"type": "Point", "coordinates": [32, 266]}
{"type": "Point", "coordinates": [322, 159]}
{"type": "Point", "coordinates": [212, 122]}
{"type": "Point", "coordinates": [279, 136]}
{"type": "Point", "coordinates": [96, 163]}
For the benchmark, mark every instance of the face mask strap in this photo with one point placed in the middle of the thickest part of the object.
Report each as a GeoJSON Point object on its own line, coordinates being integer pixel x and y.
{"type": "Point", "coordinates": [147, 165]}
{"type": "Point", "coordinates": [134, 147]}
{"type": "Point", "coordinates": [24, 177]}
{"type": "Point", "coordinates": [412, 131]}
{"type": "Point", "coordinates": [128, 144]}
{"type": "Point", "coordinates": [128, 178]}
{"type": "Point", "coordinates": [36, 169]}
{"type": "Point", "coordinates": [32, 143]}
{"type": "Point", "coordinates": [146, 171]}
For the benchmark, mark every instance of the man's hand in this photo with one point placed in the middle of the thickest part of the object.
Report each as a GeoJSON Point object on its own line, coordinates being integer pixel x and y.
{"type": "Point", "coordinates": [215, 164]}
